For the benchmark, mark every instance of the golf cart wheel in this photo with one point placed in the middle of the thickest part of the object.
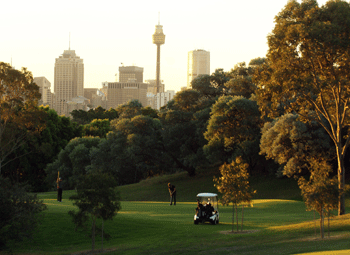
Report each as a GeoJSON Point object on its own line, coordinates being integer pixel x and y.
{"type": "Point", "coordinates": [213, 222]}
{"type": "Point", "coordinates": [196, 222]}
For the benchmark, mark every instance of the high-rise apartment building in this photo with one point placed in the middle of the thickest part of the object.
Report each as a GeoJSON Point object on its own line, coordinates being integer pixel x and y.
{"type": "Point", "coordinates": [198, 64]}
{"type": "Point", "coordinates": [69, 79]}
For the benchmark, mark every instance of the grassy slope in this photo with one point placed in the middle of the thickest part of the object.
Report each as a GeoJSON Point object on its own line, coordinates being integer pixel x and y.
{"type": "Point", "coordinates": [155, 189]}
{"type": "Point", "coordinates": [278, 226]}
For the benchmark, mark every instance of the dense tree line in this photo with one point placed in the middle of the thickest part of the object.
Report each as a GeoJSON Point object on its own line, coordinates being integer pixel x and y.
{"type": "Point", "coordinates": [291, 107]}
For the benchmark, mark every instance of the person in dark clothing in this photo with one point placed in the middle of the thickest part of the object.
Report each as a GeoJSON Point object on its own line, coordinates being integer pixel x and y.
{"type": "Point", "coordinates": [172, 191]}
{"type": "Point", "coordinates": [59, 189]}
{"type": "Point", "coordinates": [199, 208]}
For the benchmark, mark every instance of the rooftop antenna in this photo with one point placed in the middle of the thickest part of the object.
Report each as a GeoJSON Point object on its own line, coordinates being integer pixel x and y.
{"type": "Point", "coordinates": [158, 18]}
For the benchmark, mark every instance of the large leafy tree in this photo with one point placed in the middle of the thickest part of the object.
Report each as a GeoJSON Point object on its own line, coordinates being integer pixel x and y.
{"type": "Point", "coordinates": [184, 120]}
{"type": "Point", "coordinates": [233, 130]}
{"type": "Point", "coordinates": [41, 148]}
{"type": "Point", "coordinates": [308, 69]}
{"type": "Point", "coordinates": [18, 113]}
{"type": "Point", "coordinates": [72, 162]}
{"type": "Point", "coordinates": [293, 143]}
{"type": "Point", "coordinates": [96, 198]}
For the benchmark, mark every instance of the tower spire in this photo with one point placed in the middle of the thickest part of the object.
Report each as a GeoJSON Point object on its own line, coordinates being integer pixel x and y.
{"type": "Point", "coordinates": [158, 39]}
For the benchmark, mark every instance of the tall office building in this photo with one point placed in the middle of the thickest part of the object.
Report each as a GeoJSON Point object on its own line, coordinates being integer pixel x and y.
{"type": "Point", "coordinates": [158, 39]}
{"type": "Point", "coordinates": [129, 87]}
{"type": "Point", "coordinates": [69, 79]}
{"type": "Point", "coordinates": [198, 64]}
{"type": "Point", "coordinates": [127, 73]}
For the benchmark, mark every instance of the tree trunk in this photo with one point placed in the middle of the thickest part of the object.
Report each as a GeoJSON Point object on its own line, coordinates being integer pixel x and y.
{"type": "Point", "coordinates": [321, 223]}
{"type": "Point", "coordinates": [315, 223]}
{"type": "Point", "coordinates": [328, 225]}
{"type": "Point", "coordinates": [341, 182]}
{"type": "Point", "coordinates": [93, 234]}
{"type": "Point", "coordinates": [236, 217]}
{"type": "Point", "coordinates": [233, 216]}
{"type": "Point", "coordinates": [242, 218]}
{"type": "Point", "coordinates": [102, 234]}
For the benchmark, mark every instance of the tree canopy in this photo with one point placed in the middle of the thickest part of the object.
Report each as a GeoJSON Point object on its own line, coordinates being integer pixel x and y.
{"type": "Point", "coordinates": [308, 69]}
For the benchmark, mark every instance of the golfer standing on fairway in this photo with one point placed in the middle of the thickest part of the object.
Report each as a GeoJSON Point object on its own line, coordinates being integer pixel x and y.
{"type": "Point", "coordinates": [172, 191]}
{"type": "Point", "coordinates": [59, 189]}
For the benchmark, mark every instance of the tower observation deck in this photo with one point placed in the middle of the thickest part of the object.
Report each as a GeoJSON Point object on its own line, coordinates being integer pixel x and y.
{"type": "Point", "coordinates": [158, 39]}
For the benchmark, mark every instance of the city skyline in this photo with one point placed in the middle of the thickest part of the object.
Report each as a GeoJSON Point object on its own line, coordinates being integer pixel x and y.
{"type": "Point", "coordinates": [112, 33]}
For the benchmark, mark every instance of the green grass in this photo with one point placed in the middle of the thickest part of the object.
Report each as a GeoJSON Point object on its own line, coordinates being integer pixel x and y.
{"type": "Point", "coordinates": [148, 225]}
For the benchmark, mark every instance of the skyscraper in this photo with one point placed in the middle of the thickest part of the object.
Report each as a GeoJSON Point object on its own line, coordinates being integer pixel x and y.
{"type": "Point", "coordinates": [69, 79]}
{"type": "Point", "coordinates": [158, 39]}
{"type": "Point", "coordinates": [129, 87]}
{"type": "Point", "coordinates": [198, 64]}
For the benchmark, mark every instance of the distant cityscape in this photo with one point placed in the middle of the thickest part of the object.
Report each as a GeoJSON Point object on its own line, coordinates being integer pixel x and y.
{"type": "Point", "coordinates": [69, 92]}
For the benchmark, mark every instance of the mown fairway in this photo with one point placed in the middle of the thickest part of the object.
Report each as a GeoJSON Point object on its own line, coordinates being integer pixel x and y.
{"type": "Point", "coordinates": [273, 227]}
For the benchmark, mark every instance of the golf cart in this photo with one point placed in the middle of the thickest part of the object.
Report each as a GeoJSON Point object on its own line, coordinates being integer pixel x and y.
{"type": "Point", "coordinates": [207, 209]}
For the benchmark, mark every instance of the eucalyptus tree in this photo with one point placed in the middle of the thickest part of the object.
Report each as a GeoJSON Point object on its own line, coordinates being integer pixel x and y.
{"type": "Point", "coordinates": [308, 69]}
{"type": "Point", "coordinates": [19, 117]}
{"type": "Point", "coordinates": [233, 130]}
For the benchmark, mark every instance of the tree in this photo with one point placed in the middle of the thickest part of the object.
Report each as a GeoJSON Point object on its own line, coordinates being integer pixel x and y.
{"type": "Point", "coordinates": [97, 127]}
{"type": "Point", "coordinates": [20, 212]}
{"type": "Point", "coordinates": [96, 198]}
{"type": "Point", "coordinates": [233, 130]}
{"type": "Point", "coordinates": [40, 149]}
{"type": "Point", "coordinates": [320, 193]}
{"type": "Point", "coordinates": [184, 120]}
{"type": "Point", "coordinates": [233, 184]}
{"type": "Point", "coordinates": [85, 117]}
{"type": "Point", "coordinates": [18, 113]}
{"type": "Point", "coordinates": [72, 162]}
{"type": "Point", "coordinates": [241, 83]}
{"type": "Point", "coordinates": [308, 70]}
{"type": "Point", "coordinates": [293, 143]}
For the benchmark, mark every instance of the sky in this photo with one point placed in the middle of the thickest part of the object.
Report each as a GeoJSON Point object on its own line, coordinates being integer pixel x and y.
{"type": "Point", "coordinates": [107, 33]}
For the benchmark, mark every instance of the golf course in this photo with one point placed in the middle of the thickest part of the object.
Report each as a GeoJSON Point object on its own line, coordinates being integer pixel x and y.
{"type": "Point", "coordinates": [276, 223]}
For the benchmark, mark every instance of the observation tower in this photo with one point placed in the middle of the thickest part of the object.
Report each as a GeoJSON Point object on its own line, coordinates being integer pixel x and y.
{"type": "Point", "coordinates": [158, 39]}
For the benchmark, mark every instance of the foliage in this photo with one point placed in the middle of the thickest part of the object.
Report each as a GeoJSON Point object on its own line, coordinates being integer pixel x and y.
{"type": "Point", "coordinates": [233, 130]}
{"type": "Point", "coordinates": [292, 144]}
{"type": "Point", "coordinates": [184, 120]}
{"type": "Point", "coordinates": [320, 193]}
{"type": "Point", "coordinates": [41, 148]}
{"type": "Point", "coordinates": [72, 162]}
{"type": "Point", "coordinates": [18, 113]}
{"type": "Point", "coordinates": [97, 127]}
{"type": "Point", "coordinates": [96, 198]}
{"type": "Point", "coordinates": [132, 151]}
{"type": "Point", "coordinates": [211, 86]}
{"type": "Point", "coordinates": [86, 117]}
{"type": "Point", "coordinates": [19, 212]}
{"type": "Point", "coordinates": [233, 184]}
{"type": "Point", "coordinates": [308, 70]}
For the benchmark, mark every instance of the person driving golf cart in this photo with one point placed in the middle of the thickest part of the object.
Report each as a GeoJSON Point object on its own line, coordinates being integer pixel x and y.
{"type": "Point", "coordinates": [207, 208]}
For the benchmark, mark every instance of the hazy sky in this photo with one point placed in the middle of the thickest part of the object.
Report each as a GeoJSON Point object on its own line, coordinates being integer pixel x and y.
{"type": "Point", "coordinates": [107, 33]}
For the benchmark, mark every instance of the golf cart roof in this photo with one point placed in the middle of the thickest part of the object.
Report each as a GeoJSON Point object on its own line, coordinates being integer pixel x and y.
{"type": "Point", "coordinates": [207, 195]}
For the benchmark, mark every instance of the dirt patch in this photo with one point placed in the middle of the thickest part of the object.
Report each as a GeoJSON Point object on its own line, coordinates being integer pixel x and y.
{"type": "Point", "coordinates": [229, 232]}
